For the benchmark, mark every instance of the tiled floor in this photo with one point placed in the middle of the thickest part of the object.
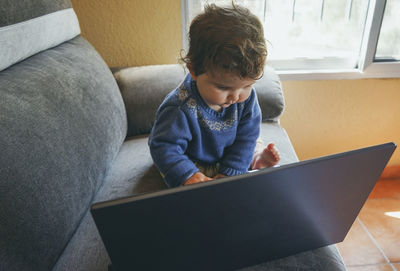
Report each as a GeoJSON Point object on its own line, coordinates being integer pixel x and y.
{"type": "Point", "coordinates": [373, 242]}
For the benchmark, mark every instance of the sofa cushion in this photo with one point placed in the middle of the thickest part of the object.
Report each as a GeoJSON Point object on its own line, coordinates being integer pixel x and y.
{"type": "Point", "coordinates": [29, 27]}
{"type": "Point", "coordinates": [143, 93]}
{"type": "Point", "coordinates": [270, 95]}
{"type": "Point", "coordinates": [62, 123]}
{"type": "Point", "coordinates": [85, 251]}
{"type": "Point", "coordinates": [16, 11]}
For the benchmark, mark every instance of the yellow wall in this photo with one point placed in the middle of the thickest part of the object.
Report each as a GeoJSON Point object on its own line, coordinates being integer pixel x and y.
{"type": "Point", "coordinates": [326, 117]}
{"type": "Point", "coordinates": [321, 117]}
{"type": "Point", "coordinates": [132, 32]}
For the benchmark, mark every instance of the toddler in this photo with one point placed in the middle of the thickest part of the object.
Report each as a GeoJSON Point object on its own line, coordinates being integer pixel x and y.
{"type": "Point", "coordinates": [208, 127]}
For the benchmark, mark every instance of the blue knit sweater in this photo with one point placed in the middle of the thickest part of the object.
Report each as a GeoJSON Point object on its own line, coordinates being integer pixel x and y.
{"type": "Point", "coordinates": [188, 131]}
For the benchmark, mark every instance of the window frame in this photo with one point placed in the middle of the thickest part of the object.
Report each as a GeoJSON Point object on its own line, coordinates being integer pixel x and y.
{"type": "Point", "coordinates": [366, 68]}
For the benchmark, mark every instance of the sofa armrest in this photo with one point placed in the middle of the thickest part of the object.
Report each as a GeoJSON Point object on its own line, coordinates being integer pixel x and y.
{"type": "Point", "coordinates": [274, 132]}
{"type": "Point", "coordinates": [270, 95]}
{"type": "Point", "coordinates": [144, 88]}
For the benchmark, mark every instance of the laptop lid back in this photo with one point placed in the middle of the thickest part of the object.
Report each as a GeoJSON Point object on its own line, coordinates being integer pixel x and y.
{"type": "Point", "coordinates": [242, 220]}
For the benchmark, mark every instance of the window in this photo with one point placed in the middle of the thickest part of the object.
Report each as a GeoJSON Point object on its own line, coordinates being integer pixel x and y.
{"type": "Point", "coordinates": [322, 39]}
{"type": "Point", "coordinates": [389, 38]}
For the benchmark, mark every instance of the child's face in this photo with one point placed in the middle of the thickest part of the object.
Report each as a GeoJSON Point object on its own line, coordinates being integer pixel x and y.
{"type": "Point", "coordinates": [221, 89]}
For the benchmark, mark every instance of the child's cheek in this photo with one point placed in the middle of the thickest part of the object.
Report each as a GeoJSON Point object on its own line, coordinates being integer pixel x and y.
{"type": "Point", "coordinates": [242, 98]}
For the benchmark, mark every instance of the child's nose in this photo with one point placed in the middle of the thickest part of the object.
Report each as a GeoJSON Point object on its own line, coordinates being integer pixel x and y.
{"type": "Point", "coordinates": [234, 97]}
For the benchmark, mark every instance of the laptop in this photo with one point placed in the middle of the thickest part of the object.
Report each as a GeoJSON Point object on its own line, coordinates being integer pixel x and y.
{"type": "Point", "coordinates": [242, 220]}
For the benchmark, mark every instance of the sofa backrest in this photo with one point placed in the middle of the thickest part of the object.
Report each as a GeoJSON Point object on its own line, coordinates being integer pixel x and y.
{"type": "Point", "coordinates": [144, 88]}
{"type": "Point", "coordinates": [62, 122]}
{"type": "Point", "coordinates": [29, 27]}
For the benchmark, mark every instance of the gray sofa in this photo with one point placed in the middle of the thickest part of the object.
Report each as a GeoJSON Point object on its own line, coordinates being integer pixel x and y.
{"type": "Point", "coordinates": [73, 133]}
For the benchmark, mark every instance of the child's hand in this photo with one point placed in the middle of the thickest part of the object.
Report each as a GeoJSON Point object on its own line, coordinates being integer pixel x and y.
{"type": "Point", "coordinates": [219, 176]}
{"type": "Point", "coordinates": [267, 157]}
{"type": "Point", "coordinates": [198, 177]}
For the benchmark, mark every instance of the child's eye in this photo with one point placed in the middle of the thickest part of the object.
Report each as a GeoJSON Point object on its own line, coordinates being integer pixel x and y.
{"type": "Point", "coordinates": [223, 87]}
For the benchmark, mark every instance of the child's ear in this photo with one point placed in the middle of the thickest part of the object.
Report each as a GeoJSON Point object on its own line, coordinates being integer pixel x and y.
{"type": "Point", "coordinates": [191, 70]}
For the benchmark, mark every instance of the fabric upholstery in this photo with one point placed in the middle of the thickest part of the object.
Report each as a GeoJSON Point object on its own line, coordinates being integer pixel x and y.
{"type": "Point", "coordinates": [132, 173]}
{"type": "Point", "coordinates": [138, 85]}
{"type": "Point", "coordinates": [270, 95]}
{"type": "Point", "coordinates": [16, 11]}
{"type": "Point", "coordinates": [321, 259]}
{"type": "Point", "coordinates": [37, 34]}
{"type": "Point", "coordinates": [85, 251]}
{"type": "Point", "coordinates": [62, 123]}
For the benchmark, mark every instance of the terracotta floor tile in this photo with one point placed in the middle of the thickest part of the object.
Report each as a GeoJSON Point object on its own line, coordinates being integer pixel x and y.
{"type": "Point", "coordinates": [380, 267]}
{"type": "Point", "coordinates": [386, 188]}
{"type": "Point", "coordinates": [381, 217]}
{"type": "Point", "coordinates": [391, 172]}
{"type": "Point", "coordinates": [358, 248]}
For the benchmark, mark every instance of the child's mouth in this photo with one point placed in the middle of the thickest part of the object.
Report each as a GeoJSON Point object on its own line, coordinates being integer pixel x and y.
{"type": "Point", "coordinates": [225, 105]}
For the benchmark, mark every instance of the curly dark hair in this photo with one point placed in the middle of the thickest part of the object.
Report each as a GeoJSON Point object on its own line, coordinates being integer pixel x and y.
{"type": "Point", "coordinates": [227, 38]}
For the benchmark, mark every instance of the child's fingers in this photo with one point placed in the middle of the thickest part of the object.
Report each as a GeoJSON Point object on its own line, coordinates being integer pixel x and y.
{"type": "Point", "coordinates": [274, 151]}
{"type": "Point", "coordinates": [271, 146]}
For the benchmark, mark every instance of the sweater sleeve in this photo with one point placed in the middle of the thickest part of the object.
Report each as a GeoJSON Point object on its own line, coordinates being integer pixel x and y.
{"type": "Point", "coordinates": [168, 142]}
{"type": "Point", "coordinates": [237, 157]}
